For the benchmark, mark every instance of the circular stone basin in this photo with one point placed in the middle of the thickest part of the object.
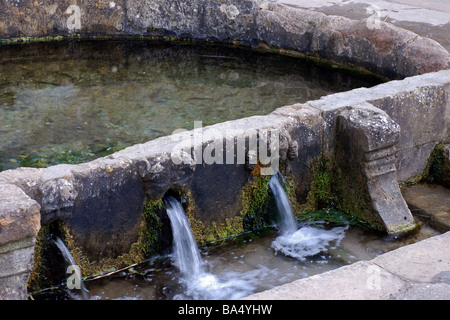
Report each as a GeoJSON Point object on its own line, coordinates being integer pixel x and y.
{"type": "Point", "coordinates": [71, 102]}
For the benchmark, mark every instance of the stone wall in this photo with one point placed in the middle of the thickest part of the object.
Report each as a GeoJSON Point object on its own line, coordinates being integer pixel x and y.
{"type": "Point", "coordinates": [385, 50]}
{"type": "Point", "coordinates": [420, 105]}
{"type": "Point", "coordinates": [19, 225]}
{"type": "Point", "coordinates": [378, 136]}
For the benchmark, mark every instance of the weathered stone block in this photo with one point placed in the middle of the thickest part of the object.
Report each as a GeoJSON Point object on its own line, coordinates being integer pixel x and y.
{"type": "Point", "coordinates": [16, 258]}
{"type": "Point", "coordinates": [307, 132]}
{"type": "Point", "coordinates": [106, 213]}
{"type": "Point", "coordinates": [365, 153]}
{"type": "Point", "coordinates": [14, 287]}
{"type": "Point", "coordinates": [387, 50]}
{"type": "Point", "coordinates": [19, 215]}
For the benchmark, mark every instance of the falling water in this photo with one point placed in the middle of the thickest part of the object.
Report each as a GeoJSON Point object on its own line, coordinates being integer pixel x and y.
{"type": "Point", "coordinates": [306, 241]}
{"type": "Point", "coordinates": [71, 262]}
{"type": "Point", "coordinates": [287, 223]}
{"type": "Point", "coordinates": [186, 254]}
{"type": "Point", "coordinates": [199, 283]}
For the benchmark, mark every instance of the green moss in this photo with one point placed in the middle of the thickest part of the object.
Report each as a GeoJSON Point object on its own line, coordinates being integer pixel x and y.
{"type": "Point", "coordinates": [37, 278]}
{"type": "Point", "coordinates": [321, 194]}
{"type": "Point", "coordinates": [91, 152]}
{"type": "Point", "coordinates": [32, 161]}
{"type": "Point", "coordinates": [21, 40]}
{"type": "Point", "coordinates": [213, 232]}
{"type": "Point", "coordinates": [438, 166]}
{"type": "Point", "coordinates": [150, 228]}
{"type": "Point", "coordinates": [256, 213]}
{"type": "Point", "coordinates": [335, 217]}
{"type": "Point", "coordinates": [333, 190]}
{"type": "Point", "coordinates": [256, 203]}
{"type": "Point", "coordinates": [48, 267]}
{"type": "Point", "coordinates": [148, 244]}
{"type": "Point", "coordinates": [216, 231]}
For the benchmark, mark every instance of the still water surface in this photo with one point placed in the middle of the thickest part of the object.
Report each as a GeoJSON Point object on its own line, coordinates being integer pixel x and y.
{"type": "Point", "coordinates": [70, 102]}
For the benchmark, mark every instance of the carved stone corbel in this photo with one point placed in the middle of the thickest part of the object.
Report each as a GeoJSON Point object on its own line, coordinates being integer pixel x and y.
{"type": "Point", "coordinates": [365, 154]}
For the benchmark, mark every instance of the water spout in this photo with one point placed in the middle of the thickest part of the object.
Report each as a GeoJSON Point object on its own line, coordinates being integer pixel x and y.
{"type": "Point", "coordinates": [287, 223]}
{"type": "Point", "coordinates": [74, 281]}
{"type": "Point", "coordinates": [199, 283]}
{"type": "Point", "coordinates": [186, 254]}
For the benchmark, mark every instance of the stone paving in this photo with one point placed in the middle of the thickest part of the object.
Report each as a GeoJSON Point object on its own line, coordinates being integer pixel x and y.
{"type": "Point", "coordinates": [427, 18]}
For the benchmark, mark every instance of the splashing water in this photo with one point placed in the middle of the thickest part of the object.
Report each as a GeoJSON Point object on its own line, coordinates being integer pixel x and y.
{"type": "Point", "coordinates": [199, 283]}
{"type": "Point", "coordinates": [306, 241]}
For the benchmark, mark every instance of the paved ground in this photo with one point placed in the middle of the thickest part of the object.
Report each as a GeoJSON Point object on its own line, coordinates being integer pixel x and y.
{"type": "Point", "coordinates": [428, 18]}
{"type": "Point", "coordinates": [418, 271]}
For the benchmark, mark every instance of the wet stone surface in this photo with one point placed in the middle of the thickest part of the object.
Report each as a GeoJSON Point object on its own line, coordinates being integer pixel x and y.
{"type": "Point", "coordinates": [431, 202]}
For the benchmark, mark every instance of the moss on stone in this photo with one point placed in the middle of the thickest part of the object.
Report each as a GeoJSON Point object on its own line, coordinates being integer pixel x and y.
{"type": "Point", "coordinates": [256, 202]}
{"type": "Point", "coordinates": [321, 183]}
{"type": "Point", "coordinates": [38, 277]}
{"type": "Point", "coordinates": [256, 213]}
{"type": "Point", "coordinates": [321, 194]}
{"type": "Point", "coordinates": [332, 190]}
{"type": "Point", "coordinates": [334, 217]}
{"type": "Point", "coordinates": [438, 166]}
{"type": "Point", "coordinates": [150, 228]}
{"type": "Point", "coordinates": [90, 268]}
{"type": "Point", "coordinates": [21, 40]}
{"type": "Point", "coordinates": [88, 153]}
{"type": "Point", "coordinates": [216, 231]}
{"type": "Point", "coordinates": [203, 233]}
{"type": "Point", "coordinates": [148, 244]}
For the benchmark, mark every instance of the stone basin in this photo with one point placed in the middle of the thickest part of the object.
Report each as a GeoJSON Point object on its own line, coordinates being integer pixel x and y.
{"type": "Point", "coordinates": [377, 137]}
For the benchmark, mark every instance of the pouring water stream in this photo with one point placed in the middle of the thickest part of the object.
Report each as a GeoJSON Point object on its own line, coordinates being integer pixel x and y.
{"type": "Point", "coordinates": [76, 274]}
{"type": "Point", "coordinates": [299, 243]}
{"type": "Point", "coordinates": [292, 241]}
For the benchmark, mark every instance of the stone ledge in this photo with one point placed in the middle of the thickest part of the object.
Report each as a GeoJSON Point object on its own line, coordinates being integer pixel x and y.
{"type": "Point", "coordinates": [431, 202]}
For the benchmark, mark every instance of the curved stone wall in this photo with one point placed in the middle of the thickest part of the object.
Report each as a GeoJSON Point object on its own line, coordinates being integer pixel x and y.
{"type": "Point", "coordinates": [384, 48]}
{"type": "Point", "coordinates": [378, 136]}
